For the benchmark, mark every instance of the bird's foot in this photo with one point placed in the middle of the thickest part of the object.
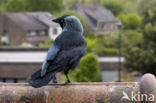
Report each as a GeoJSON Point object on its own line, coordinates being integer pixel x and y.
{"type": "Point", "coordinates": [68, 81]}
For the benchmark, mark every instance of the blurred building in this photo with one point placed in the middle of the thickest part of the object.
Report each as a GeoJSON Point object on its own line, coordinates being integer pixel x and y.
{"type": "Point", "coordinates": [27, 27]}
{"type": "Point", "coordinates": [109, 67]}
{"type": "Point", "coordinates": [18, 64]}
{"type": "Point", "coordinates": [98, 18]}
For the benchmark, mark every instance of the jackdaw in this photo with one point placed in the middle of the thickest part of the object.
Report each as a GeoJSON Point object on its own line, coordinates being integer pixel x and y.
{"type": "Point", "coordinates": [64, 54]}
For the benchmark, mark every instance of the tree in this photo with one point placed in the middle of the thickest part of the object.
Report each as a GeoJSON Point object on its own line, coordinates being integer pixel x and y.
{"type": "Point", "coordinates": [115, 6]}
{"type": "Point", "coordinates": [3, 1]}
{"type": "Point", "coordinates": [123, 19]}
{"type": "Point", "coordinates": [142, 57]}
{"type": "Point", "coordinates": [87, 71]}
{"type": "Point", "coordinates": [52, 6]}
{"type": "Point", "coordinates": [146, 6]}
{"type": "Point", "coordinates": [15, 5]}
{"type": "Point", "coordinates": [130, 21]}
{"type": "Point", "coordinates": [133, 21]}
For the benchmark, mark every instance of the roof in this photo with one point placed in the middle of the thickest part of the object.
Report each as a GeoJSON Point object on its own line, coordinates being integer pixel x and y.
{"type": "Point", "coordinates": [32, 20]}
{"type": "Point", "coordinates": [44, 17]}
{"type": "Point", "coordinates": [93, 13]}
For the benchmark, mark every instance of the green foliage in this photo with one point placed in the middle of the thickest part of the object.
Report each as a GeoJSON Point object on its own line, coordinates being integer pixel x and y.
{"type": "Point", "coordinates": [2, 5]}
{"type": "Point", "coordinates": [133, 21]}
{"type": "Point", "coordinates": [146, 6]}
{"type": "Point", "coordinates": [109, 40]}
{"type": "Point", "coordinates": [115, 6]}
{"type": "Point", "coordinates": [126, 6]}
{"type": "Point", "coordinates": [52, 6]}
{"type": "Point", "coordinates": [47, 43]}
{"type": "Point", "coordinates": [74, 13]}
{"type": "Point", "coordinates": [2, 1]}
{"type": "Point", "coordinates": [91, 44]}
{"type": "Point", "coordinates": [130, 21]}
{"type": "Point", "coordinates": [131, 37]}
{"type": "Point", "coordinates": [26, 45]}
{"type": "Point", "coordinates": [132, 58]}
{"type": "Point", "coordinates": [142, 57]}
{"type": "Point", "coordinates": [109, 44]}
{"type": "Point", "coordinates": [123, 19]}
{"type": "Point", "coordinates": [107, 51]}
{"type": "Point", "coordinates": [91, 35]}
{"type": "Point", "coordinates": [15, 5]}
{"type": "Point", "coordinates": [149, 33]}
{"type": "Point", "coordinates": [87, 71]}
{"type": "Point", "coordinates": [2, 8]}
{"type": "Point", "coordinates": [128, 80]}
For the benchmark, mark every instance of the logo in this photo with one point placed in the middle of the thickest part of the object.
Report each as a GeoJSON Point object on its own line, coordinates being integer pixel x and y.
{"type": "Point", "coordinates": [137, 97]}
{"type": "Point", "coordinates": [125, 96]}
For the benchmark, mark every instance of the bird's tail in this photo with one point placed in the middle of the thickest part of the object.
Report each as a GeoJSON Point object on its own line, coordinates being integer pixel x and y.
{"type": "Point", "coordinates": [37, 81]}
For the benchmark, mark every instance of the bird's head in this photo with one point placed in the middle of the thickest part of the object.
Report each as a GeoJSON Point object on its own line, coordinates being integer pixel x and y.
{"type": "Point", "coordinates": [69, 23]}
{"type": "Point", "coordinates": [60, 20]}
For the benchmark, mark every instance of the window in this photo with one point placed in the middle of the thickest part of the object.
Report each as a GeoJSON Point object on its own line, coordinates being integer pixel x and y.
{"type": "Point", "coordinates": [55, 31]}
{"type": "Point", "coordinates": [31, 33]}
{"type": "Point", "coordinates": [103, 26]}
{"type": "Point", "coordinates": [9, 80]}
{"type": "Point", "coordinates": [13, 80]}
{"type": "Point", "coordinates": [5, 33]}
{"type": "Point", "coordinates": [4, 38]}
{"type": "Point", "coordinates": [1, 80]}
{"type": "Point", "coordinates": [42, 32]}
{"type": "Point", "coordinates": [21, 80]}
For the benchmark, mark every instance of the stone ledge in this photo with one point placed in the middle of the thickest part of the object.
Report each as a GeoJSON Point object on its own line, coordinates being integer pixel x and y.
{"type": "Point", "coordinates": [111, 92]}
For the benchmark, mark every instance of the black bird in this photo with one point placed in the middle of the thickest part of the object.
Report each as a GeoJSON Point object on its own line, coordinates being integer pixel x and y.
{"type": "Point", "coordinates": [64, 54]}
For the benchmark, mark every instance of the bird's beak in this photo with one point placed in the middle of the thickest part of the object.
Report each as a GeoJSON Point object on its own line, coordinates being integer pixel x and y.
{"type": "Point", "coordinates": [55, 20]}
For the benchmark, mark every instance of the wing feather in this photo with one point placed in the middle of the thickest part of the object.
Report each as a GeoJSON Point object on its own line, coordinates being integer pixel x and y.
{"type": "Point", "coordinates": [52, 53]}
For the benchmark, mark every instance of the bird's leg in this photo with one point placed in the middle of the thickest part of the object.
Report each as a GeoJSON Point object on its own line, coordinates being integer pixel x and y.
{"type": "Point", "coordinates": [55, 80]}
{"type": "Point", "coordinates": [68, 80]}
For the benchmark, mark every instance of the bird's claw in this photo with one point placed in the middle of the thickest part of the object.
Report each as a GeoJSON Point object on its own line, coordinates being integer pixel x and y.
{"type": "Point", "coordinates": [68, 81]}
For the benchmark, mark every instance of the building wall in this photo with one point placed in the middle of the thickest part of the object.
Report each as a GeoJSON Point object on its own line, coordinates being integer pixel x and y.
{"type": "Point", "coordinates": [109, 75]}
{"type": "Point", "coordinates": [0, 28]}
{"type": "Point", "coordinates": [18, 70]}
{"type": "Point", "coordinates": [109, 71]}
{"type": "Point", "coordinates": [16, 34]}
{"type": "Point", "coordinates": [52, 33]}
{"type": "Point", "coordinates": [106, 27]}
{"type": "Point", "coordinates": [110, 65]}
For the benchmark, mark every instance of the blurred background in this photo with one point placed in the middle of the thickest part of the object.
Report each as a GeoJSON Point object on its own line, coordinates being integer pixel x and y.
{"type": "Point", "coordinates": [120, 34]}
